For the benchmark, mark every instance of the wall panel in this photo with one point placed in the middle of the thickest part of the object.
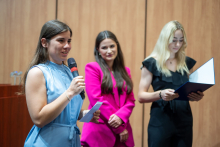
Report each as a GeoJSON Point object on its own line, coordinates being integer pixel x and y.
{"type": "Point", "coordinates": [124, 18]}
{"type": "Point", "coordinates": [21, 22]}
{"type": "Point", "coordinates": [201, 22]}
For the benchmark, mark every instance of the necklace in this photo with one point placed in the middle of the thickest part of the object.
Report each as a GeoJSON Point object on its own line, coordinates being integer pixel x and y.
{"type": "Point", "coordinates": [171, 61]}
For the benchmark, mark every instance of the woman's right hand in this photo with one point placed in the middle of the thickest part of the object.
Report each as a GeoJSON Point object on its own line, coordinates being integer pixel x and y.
{"type": "Point", "coordinates": [77, 85]}
{"type": "Point", "coordinates": [114, 121]}
{"type": "Point", "coordinates": [124, 136]}
{"type": "Point", "coordinates": [168, 94]}
{"type": "Point", "coordinates": [95, 118]}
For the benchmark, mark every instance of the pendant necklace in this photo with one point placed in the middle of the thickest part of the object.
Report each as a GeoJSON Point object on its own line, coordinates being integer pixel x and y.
{"type": "Point", "coordinates": [171, 61]}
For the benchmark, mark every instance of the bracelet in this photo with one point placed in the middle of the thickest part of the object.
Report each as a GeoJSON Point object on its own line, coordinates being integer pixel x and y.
{"type": "Point", "coordinates": [67, 96]}
{"type": "Point", "coordinates": [160, 94]}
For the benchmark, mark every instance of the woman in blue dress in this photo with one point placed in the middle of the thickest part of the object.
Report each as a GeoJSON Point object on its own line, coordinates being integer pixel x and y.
{"type": "Point", "coordinates": [166, 69]}
{"type": "Point", "coordinates": [52, 93]}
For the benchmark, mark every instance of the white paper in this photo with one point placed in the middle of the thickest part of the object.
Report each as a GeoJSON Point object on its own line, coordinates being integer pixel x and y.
{"type": "Point", "coordinates": [204, 74]}
{"type": "Point", "coordinates": [89, 115]}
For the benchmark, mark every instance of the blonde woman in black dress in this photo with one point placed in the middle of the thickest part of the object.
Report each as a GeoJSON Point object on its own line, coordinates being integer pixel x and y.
{"type": "Point", "coordinates": [166, 69]}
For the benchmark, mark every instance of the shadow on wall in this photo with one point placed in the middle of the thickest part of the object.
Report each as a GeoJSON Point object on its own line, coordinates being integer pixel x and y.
{"type": "Point", "coordinates": [217, 145]}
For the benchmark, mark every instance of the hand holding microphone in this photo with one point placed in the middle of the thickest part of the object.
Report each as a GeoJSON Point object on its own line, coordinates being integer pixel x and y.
{"type": "Point", "coordinates": [77, 85]}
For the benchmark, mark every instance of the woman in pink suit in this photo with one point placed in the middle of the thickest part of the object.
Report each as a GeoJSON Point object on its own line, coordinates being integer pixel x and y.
{"type": "Point", "coordinates": [109, 81]}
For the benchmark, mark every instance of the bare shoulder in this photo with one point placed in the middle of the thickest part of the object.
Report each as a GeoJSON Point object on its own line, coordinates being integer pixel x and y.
{"type": "Point", "coordinates": [146, 79]}
{"type": "Point", "coordinates": [34, 73]}
{"type": "Point", "coordinates": [35, 76]}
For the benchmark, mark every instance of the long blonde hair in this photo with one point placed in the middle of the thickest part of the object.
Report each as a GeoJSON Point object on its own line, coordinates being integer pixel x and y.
{"type": "Point", "coordinates": [161, 50]}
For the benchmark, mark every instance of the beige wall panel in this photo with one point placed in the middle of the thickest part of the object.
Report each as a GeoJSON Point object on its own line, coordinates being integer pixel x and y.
{"type": "Point", "coordinates": [21, 22]}
{"type": "Point", "coordinates": [125, 18]}
{"type": "Point", "coordinates": [201, 21]}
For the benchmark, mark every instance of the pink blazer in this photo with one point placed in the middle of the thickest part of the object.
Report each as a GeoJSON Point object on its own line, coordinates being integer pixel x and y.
{"type": "Point", "coordinates": [103, 135]}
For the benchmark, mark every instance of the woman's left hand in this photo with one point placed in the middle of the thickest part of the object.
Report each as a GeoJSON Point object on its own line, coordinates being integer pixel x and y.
{"type": "Point", "coordinates": [114, 121]}
{"type": "Point", "coordinates": [196, 96]}
{"type": "Point", "coordinates": [95, 118]}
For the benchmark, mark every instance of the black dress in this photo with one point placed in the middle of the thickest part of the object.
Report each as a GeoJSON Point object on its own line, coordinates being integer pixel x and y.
{"type": "Point", "coordinates": [170, 121]}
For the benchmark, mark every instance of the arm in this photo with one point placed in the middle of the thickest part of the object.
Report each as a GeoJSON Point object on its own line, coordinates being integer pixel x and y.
{"type": "Point", "coordinates": [82, 113]}
{"type": "Point", "coordinates": [35, 89]}
{"type": "Point", "coordinates": [145, 97]}
{"type": "Point", "coordinates": [125, 112]}
{"type": "Point", "coordinates": [93, 90]}
{"type": "Point", "coordinates": [121, 117]}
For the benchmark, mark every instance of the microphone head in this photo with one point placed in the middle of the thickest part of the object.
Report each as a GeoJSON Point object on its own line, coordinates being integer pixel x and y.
{"type": "Point", "coordinates": [71, 63]}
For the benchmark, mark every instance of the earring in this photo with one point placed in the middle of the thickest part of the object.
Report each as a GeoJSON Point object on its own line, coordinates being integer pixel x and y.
{"type": "Point", "coordinates": [99, 54]}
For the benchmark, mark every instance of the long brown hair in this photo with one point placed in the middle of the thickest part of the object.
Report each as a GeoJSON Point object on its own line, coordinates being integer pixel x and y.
{"type": "Point", "coordinates": [120, 73]}
{"type": "Point", "coordinates": [49, 30]}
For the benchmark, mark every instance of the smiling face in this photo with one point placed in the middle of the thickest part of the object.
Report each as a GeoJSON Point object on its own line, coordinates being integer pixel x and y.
{"type": "Point", "coordinates": [177, 42]}
{"type": "Point", "coordinates": [108, 50]}
{"type": "Point", "coordinates": [58, 47]}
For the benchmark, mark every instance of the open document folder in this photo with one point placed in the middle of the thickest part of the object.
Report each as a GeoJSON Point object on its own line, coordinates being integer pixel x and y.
{"type": "Point", "coordinates": [89, 115]}
{"type": "Point", "coordinates": [200, 80]}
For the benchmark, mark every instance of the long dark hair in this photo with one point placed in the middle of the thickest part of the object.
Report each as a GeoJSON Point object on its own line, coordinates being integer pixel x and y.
{"type": "Point", "coordinates": [120, 73]}
{"type": "Point", "coordinates": [49, 30]}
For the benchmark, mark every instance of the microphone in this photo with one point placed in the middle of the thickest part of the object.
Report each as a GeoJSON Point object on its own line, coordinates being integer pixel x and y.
{"type": "Point", "coordinates": [73, 67]}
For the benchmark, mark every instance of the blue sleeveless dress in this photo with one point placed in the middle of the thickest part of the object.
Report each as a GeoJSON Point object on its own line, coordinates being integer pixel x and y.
{"type": "Point", "coordinates": [62, 131]}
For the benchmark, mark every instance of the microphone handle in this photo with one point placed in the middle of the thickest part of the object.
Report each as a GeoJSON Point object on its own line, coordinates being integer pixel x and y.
{"type": "Point", "coordinates": [82, 94]}
{"type": "Point", "coordinates": [75, 74]}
